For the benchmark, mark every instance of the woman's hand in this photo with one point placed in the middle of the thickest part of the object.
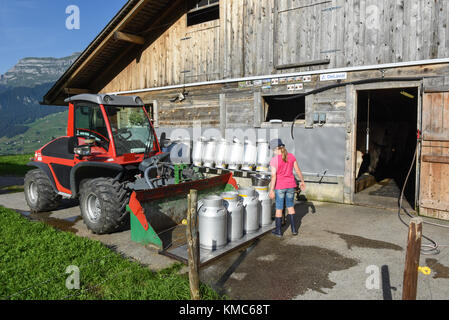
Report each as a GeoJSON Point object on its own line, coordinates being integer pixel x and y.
{"type": "Point", "coordinates": [272, 195]}
{"type": "Point", "coordinates": [302, 185]}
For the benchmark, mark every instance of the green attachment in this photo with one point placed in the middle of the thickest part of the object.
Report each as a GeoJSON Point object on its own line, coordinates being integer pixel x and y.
{"type": "Point", "coordinates": [229, 187]}
{"type": "Point", "coordinates": [140, 235]}
{"type": "Point", "coordinates": [162, 214]}
{"type": "Point", "coordinates": [178, 172]}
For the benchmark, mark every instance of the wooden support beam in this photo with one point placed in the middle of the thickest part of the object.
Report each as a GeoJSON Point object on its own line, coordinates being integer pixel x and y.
{"type": "Point", "coordinates": [223, 114]}
{"type": "Point", "coordinates": [193, 244]}
{"type": "Point", "coordinates": [100, 47]}
{"type": "Point", "coordinates": [409, 287]}
{"type": "Point", "coordinates": [76, 91]}
{"type": "Point", "coordinates": [150, 34]}
{"type": "Point", "coordinates": [118, 35]}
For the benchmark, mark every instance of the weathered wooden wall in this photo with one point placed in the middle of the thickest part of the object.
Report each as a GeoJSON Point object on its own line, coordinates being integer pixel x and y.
{"type": "Point", "coordinates": [254, 37]}
{"type": "Point", "coordinates": [201, 104]}
{"type": "Point", "coordinates": [434, 186]}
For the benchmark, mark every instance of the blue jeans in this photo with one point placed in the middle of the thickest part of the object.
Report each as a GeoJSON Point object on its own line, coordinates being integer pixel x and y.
{"type": "Point", "coordinates": [288, 195]}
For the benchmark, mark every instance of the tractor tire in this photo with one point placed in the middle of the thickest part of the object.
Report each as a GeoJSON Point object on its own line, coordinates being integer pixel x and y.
{"type": "Point", "coordinates": [103, 205]}
{"type": "Point", "coordinates": [39, 193]}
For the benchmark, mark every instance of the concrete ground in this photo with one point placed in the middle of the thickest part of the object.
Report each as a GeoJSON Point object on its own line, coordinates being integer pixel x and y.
{"type": "Point", "coordinates": [342, 252]}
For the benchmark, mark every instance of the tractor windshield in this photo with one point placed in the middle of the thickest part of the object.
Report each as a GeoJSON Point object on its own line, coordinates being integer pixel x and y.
{"type": "Point", "coordinates": [131, 129]}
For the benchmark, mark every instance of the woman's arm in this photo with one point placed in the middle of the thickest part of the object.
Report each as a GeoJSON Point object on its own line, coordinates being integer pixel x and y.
{"type": "Point", "coordinates": [273, 183]}
{"type": "Point", "coordinates": [299, 173]}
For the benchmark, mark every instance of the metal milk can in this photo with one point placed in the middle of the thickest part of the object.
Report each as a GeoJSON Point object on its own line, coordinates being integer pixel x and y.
{"type": "Point", "coordinates": [251, 210]}
{"type": "Point", "coordinates": [198, 150]}
{"type": "Point", "coordinates": [250, 155]}
{"type": "Point", "coordinates": [266, 206]}
{"type": "Point", "coordinates": [181, 153]}
{"type": "Point", "coordinates": [212, 223]}
{"type": "Point", "coordinates": [236, 155]}
{"type": "Point", "coordinates": [263, 156]}
{"type": "Point", "coordinates": [234, 206]}
{"type": "Point", "coordinates": [221, 154]}
{"type": "Point", "coordinates": [209, 153]}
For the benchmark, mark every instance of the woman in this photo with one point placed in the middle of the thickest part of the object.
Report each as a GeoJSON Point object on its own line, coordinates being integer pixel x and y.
{"type": "Point", "coordinates": [283, 183]}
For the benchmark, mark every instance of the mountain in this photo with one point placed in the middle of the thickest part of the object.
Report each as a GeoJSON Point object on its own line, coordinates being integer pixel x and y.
{"type": "Point", "coordinates": [21, 90]}
{"type": "Point", "coordinates": [20, 106]}
{"type": "Point", "coordinates": [29, 72]}
{"type": "Point", "coordinates": [37, 134]}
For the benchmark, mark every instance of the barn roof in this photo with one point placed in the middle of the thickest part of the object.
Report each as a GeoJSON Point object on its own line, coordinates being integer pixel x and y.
{"type": "Point", "coordinates": [133, 28]}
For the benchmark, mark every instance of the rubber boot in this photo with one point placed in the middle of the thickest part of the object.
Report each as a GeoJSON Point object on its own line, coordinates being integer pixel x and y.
{"type": "Point", "coordinates": [292, 224]}
{"type": "Point", "coordinates": [277, 232]}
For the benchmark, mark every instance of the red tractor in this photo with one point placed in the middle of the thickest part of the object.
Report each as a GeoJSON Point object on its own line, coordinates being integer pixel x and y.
{"type": "Point", "coordinates": [108, 139]}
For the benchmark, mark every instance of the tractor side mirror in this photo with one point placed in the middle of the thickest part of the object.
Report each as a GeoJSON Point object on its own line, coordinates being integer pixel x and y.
{"type": "Point", "coordinates": [165, 143]}
{"type": "Point", "coordinates": [83, 151]}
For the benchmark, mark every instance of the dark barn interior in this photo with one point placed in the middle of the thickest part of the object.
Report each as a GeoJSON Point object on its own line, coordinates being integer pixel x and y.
{"type": "Point", "coordinates": [285, 107]}
{"type": "Point", "coordinates": [387, 119]}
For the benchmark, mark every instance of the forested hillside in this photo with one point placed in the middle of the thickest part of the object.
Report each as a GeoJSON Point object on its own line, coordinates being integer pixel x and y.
{"type": "Point", "coordinates": [20, 106]}
{"type": "Point", "coordinates": [21, 90]}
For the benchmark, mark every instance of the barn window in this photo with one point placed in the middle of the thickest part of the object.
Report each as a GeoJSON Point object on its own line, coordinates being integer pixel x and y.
{"type": "Point", "coordinates": [284, 107]}
{"type": "Point", "coordinates": [203, 11]}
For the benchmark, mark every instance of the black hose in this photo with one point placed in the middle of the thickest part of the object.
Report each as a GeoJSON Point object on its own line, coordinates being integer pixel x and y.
{"type": "Point", "coordinates": [343, 84]}
{"type": "Point", "coordinates": [293, 124]}
{"type": "Point", "coordinates": [147, 178]}
{"type": "Point", "coordinates": [426, 249]}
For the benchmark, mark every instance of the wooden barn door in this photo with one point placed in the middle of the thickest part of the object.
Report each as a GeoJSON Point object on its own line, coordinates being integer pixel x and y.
{"type": "Point", "coordinates": [434, 175]}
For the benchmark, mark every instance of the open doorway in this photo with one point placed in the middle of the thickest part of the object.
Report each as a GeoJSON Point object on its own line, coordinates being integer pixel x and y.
{"type": "Point", "coordinates": [386, 142]}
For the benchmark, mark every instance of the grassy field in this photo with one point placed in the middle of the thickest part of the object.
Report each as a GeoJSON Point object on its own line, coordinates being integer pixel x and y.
{"type": "Point", "coordinates": [34, 259]}
{"type": "Point", "coordinates": [15, 165]}
{"type": "Point", "coordinates": [38, 134]}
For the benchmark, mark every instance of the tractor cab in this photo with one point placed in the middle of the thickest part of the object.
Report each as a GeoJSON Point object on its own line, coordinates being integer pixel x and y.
{"type": "Point", "coordinates": [111, 128]}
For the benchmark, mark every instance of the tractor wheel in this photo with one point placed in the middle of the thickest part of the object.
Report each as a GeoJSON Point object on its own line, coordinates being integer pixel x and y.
{"type": "Point", "coordinates": [39, 192]}
{"type": "Point", "coordinates": [103, 205]}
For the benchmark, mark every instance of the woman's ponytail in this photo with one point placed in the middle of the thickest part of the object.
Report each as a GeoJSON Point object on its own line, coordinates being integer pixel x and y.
{"type": "Point", "coordinates": [284, 153]}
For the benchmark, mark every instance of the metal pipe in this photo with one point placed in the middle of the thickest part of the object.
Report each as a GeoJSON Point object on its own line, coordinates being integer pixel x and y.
{"type": "Point", "coordinates": [147, 178]}
{"type": "Point", "coordinates": [368, 124]}
{"type": "Point", "coordinates": [287, 75]}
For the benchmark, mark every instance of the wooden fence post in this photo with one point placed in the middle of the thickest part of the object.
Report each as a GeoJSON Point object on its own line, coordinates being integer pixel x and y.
{"type": "Point", "coordinates": [409, 287]}
{"type": "Point", "coordinates": [193, 244]}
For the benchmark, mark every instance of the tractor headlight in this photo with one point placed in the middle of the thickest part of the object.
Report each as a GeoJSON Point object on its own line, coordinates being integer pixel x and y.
{"type": "Point", "coordinates": [138, 100]}
{"type": "Point", "coordinates": [107, 99]}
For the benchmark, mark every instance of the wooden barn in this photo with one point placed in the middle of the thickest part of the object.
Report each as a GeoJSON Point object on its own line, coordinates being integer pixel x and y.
{"type": "Point", "coordinates": [349, 85]}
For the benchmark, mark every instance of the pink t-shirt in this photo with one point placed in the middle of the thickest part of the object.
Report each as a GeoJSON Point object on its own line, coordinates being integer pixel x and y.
{"type": "Point", "coordinates": [284, 172]}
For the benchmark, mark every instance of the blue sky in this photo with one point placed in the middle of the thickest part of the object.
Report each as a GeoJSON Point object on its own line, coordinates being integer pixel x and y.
{"type": "Point", "coordinates": [37, 28]}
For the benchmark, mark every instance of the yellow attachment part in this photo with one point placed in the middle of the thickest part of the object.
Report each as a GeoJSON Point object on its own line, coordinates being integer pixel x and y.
{"type": "Point", "coordinates": [424, 270]}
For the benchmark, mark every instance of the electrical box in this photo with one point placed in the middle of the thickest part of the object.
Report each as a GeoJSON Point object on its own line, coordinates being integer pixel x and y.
{"type": "Point", "coordinates": [319, 118]}
{"type": "Point", "coordinates": [322, 118]}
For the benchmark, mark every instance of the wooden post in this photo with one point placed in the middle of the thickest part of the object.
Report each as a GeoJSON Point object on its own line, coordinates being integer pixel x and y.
{"type": "Point", "coordinates": [409, 287]}
{"type": "Point", "coordinates": [193, 244]}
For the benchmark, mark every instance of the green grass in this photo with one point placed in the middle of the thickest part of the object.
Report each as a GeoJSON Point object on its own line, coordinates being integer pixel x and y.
{"type": "Point", "coordinates": [15, 165]}
{"type": "Point", "coordinates": [38, 134]}
{"type": "Point", "coordinates": [34, 258]}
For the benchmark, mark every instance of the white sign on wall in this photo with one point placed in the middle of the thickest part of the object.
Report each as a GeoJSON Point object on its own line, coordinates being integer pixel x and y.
{"type": "Point", "coordinates": [334, 76]}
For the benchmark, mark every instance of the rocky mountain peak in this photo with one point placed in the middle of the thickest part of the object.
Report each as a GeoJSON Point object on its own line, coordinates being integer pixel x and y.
{"type": "Point", "coordinates": [29, 72]}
